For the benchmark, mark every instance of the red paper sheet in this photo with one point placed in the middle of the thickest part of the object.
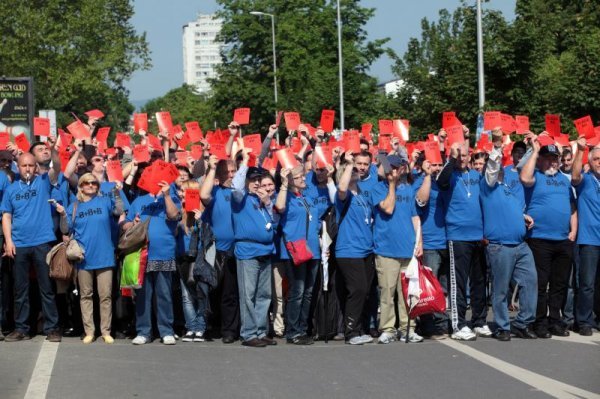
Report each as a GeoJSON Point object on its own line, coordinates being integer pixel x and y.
{"type": "Point", "coordinates": [140, 122]}
{"type": "Point", "coordinates": [114, 172]}
{"type": "Point", "coordinates": [386, 126]}
{"type": "Point", "coordinates": [432, 152]}
{"type": "Point", "coordinates": [286, 158]}
{"type": "Point", "coordinates": [585, 127]}
{"type": "Point", "coordinates": [553, 125]}
{"type": "Point", "coordinates": [522, 122]}
{"type": "Point", "coordinates": [194, 131]}
{"type": "Point", "coordinates": [242, 116]}
{"type": "Point", "coordinates": [164, 122]}
{"type": "Point", "coordinates": [492, 120]}
{"type": "Point", "coordinates": [141, 153]}
{"type": "Point", "coordinates": [41, 127]}
{"type": "Point", "coordinates": [22, 143]}
{"type": "Point", "coordinates": [292, 120]}
{"type": "Point", "coordinates": [79, 130]}
{"type": "Point", "coordinates": [122, 140]}
{"type": "Point", "coordinates": [191, 200]}
{"type": "Point", "coordinates": [327, 120]}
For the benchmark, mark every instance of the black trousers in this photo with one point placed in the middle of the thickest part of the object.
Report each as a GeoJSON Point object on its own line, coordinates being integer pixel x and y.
{"type": "Point", "coordinates": [357, 274]}
{"type": "Point", "coordinates": [225, 300]}
{"type": "Point", "coordinates": [466, 265]}
{"type": "Point", "coordinates": [553, 262]}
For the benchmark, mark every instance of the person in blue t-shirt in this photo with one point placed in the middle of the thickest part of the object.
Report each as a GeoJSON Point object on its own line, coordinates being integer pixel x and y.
{"type": "Point", "coordinates": [354, 249]}
{"type": "Point", "coordinates": [551, 204]}
{"type": "Point", "coordinates": [396, 238]}
{"type": "Point", "coordinates": [28, 230]}
{"type": "Point", "coordinates": [88, 219]}
{"type": "Point", "coordinates": [588, 238]}
{"type": "Point", "coordinates": [464, 231]}
{"type": "Point", "coordinates": [254, 224]}
{"type": "Point", "coordinates": [163, 211]}
{"type": "Point", "coordinates": [216, 195]}
{"type": "Point", "coordinates": [508, 255]}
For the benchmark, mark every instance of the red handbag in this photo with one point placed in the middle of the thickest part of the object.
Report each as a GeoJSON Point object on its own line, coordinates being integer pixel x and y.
{"type": "Point", "coordinates": [431, 298]}
{"type": "Point", "coordinates": [299, 251]}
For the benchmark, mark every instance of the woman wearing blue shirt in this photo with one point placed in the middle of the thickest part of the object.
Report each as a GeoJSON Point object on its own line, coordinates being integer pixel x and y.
{"type": "Point", "coordinates": [354, 250]}
{"type": "Point", "coordinates": [89, 220]}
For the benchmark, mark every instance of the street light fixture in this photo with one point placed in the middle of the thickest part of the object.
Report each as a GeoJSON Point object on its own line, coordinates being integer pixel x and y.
{"type": "Point", "coordinates": [260, 13]}
{"type": "Point", "coordinates": [340, 65]}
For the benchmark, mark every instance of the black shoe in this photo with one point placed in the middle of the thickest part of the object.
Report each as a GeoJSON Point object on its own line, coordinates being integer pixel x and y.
{"type": "Point", "coordinates": [16, 336]}
{"type": "Point", "coordinates": [268, 341]}
{"type": "Point", "coordinates": [502, 335]}
{"type": "Point", "coordinates": [301, 340]}
{"type": "Point", "coordinates": [228, 339]}
{"type": "Point", "coordinates": [71, 332]}
{"type": "Point", "coordinates": [254, 343]}
{"type": "Point", "coordinates": [373, 332]}
{"type": "Point", "coordinates": [558, 330]}
{"type": "Point", "coordinates": [524, 333]}
{"type": "Point", "coordinates": [54, 336]}
{"type": "Point", "coordinates": [586, 331]}
{"type": "Point", "coordinates": [543, 333]}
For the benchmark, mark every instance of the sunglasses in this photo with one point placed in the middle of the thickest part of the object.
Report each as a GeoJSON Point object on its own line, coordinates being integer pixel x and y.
{"type": "Point", "coordinates": [90, 183]}
{"type": "Point", "coordinates": [233, 127]}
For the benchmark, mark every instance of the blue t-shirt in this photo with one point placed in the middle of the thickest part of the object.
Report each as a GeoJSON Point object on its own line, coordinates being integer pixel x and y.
{"type": "Point", "coordinates": [433, 218]}
{"type": "Point", "coordinates": [161, 232]}
{"type": "Point", "coordinates": [394, 235]}
{"type": "Point", "coordinates": [106, 188]}
{"type": "Point", "coordinates": [355, 233]}
{"type": "Point", "coordinates": [293, 224]}
{"type": "Point", "coordinates": [31, 214]}
{"type": "Point", "coordinates": [253, 228]}
{"type": "Point", "coordinates": [319, 196]}
{"type": "Point", "coordinates": [218, 214]}
{"type": "Point", "coordinates": [549, 204]}
{"type": "Point", "coordinates": [511, 179]}
{"type": "Point", "coordinates": [92, 230]}
{"type": "Point", "coordinates": [461, 202]}
{"type": "Point", "coordinates": [368, 184]}
{"type": "Point", "coordinates": [588, 208]}
{"type": "Point", "coordinates": [503, 209]}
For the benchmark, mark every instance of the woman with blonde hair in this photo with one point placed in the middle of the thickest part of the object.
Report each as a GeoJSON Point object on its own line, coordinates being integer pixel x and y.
{"type": "Point", "coordinates": [88, 219]}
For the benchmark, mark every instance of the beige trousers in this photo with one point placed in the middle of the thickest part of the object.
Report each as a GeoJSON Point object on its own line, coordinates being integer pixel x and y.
{"type": "Point", "coordinates": [104, 280]}
{"type": "Point", "coordinates": [277, 301]}
{"type": "Point", "coordinates": [388, 277]}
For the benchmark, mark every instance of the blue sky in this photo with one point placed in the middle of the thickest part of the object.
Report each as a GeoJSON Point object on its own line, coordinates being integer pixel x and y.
{"type": "Point", "coordinates": [397, 19]}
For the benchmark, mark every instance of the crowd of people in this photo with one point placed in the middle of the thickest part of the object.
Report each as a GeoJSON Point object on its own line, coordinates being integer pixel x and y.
{"type": "Point", "coordinates": [514, 225]}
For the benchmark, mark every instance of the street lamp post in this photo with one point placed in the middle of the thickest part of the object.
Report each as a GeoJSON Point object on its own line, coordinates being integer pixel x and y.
{"type": "Point", "coordinates": [260, 13]}
{"type": "Point", "coordinates": [340, 63]}
{"type": "Point", "coordinates": [480, 57]}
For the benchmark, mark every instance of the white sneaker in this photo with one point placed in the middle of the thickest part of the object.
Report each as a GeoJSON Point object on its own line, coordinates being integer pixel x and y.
{"type": "Point", "coordinates": [139, 340]}
{"type": "Point", "coordinates": [483, 331]}
{"type": "Point", "coordinates": [199, 336]}
{"type": "Point", "coordinates": [188, 337]}
{"type": "Point", "coordinates": [465, 334]}
{"type": "Point", "coordinates": [413, 337]}
{"type": "Point", "coordinates": [386, 338]}
{"type": "Point", "coordinates": [355, 341]}
{"type": "Point", "coordinates": [366, 339]}
{"type": "Point", "coordinates": [168, 340]}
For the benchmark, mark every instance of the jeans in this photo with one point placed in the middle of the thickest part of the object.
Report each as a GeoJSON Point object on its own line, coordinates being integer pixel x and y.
{"type": "Point", "coordinates": [588, 275]}
{"type": "Point", "coordinates": [37, 256]}
{"type": "Point", "coordinates": [553, 261]}
{"type": "Point", "coordinates": [437, 260]}
{"type": "Point", "coordinates": [357, 274]}
{"type": "Point", "coordinates": [194, 309]}
{"type": "Point", "coordinates": [466, 265]}
{"type": "Point", "coordinates": [159, 284]}
{"type": "Point", "coordinates": [512, 263]}
{"type": "Point", "coordinates": [254, 282]}
{"type": "Point", "coordinates": [301, 280]}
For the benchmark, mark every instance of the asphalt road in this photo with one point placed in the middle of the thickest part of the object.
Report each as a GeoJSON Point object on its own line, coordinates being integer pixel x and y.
{"type": "Point", "coordinates": [560, 368]}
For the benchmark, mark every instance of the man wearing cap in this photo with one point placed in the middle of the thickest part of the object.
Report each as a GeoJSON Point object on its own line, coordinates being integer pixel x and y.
{"type": "Point", "coordinates": [551, 204]}
{"type": "Point", "coordinates": [511, 173]}
{"type": "Point", "coordinates": [588, 238]}
{"type": "Point", "coordinates": [28, 230]}
{"type": "Point", "coordinates": [254, 224]}
{"type": "Point", "coordinates": [508, 255]}
{"type": "Point", "coordinates": [217, 200]}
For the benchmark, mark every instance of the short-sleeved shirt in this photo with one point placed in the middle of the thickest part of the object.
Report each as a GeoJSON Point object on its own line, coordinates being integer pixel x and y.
{"type": "Point", "coordinates": [433, 218]}
{"type": "Point", "coordinates": [394, 235]}
{"type": "Point", "coordinates": [355, 233]}
{"type": "Point", "coordinates": [161, 232]}
{"type": "Point", "coordinates": [31, 214]}
{"type": "Point", "coordinates": [503, 208]}
{"type": "Point", "coordinates": [253, 227]}
{"type": "Point", "coordinates": [293, 224]}
{"type": "Point", "coordinates": [463, 212]}
{"type": "Point", "coordinates": [91, 227]}
{"type": "Point", "coordinates": [588, 208]}
{"type": "Point", "coordinates": [219, 215]}
{"type": "Point", "coordinates": [512, 180]}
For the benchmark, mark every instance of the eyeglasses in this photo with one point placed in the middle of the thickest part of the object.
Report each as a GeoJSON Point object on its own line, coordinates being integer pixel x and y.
{"type": "Point", "coordinates": [234, 127]}
{"type": "Point", "coordinates": [299, 177]}
{"type": "Point", "coordinates": [90, 183]}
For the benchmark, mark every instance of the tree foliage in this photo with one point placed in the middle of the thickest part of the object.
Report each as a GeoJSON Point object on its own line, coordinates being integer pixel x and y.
{"type": "Point", "coordinates": [307, 60]}
{"type": "Point", "coordinates": [545, 61]}
{"type": "Point", "coordinates": [80, 53]}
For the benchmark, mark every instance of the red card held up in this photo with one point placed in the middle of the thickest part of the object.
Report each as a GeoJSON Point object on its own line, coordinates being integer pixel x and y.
{"type": "Point", "coordinates": [181, 158]}
{"type": "Point", "coordinates": [79, 130]}
{"type": "Point", "coordinates": [147, 183]}
{"type": "Point", "coordinates": [141, 153]}
{"type": "Point", "coordinates": [353, 143]}
{"type": "Point", "coordinates": [197, 152]}
{"type": "Point", "coordinates": [269, 163]}
{"type": "Point", "coordinates": [432, 152]}
{"type": "Point", "coordinates": [65, 157]}
{"type": "Point", "coordinates": [122, 140]}
{"type": "Point", "coordinates": [327, 119]}
{"type": "Point", "coordinates": [22, 142]}
{"type": "Point", "coordinates": [292, 120]}
{"type": "Point", "coordinates": [191, 200]}
{"type": "Point", "coordinates": [102, 134]}
{"type": "Point", "coordinates": [449, 119]}
{"type": "Point", "coordinates": [401, 127]}
{"type": "Point", "coordinates": [455, 135]}
{"type": "Point", "coordinates": [508, 124]}
{"type": "Point", "coordinates": [544, 140]}
{"type": "Point", "coordinates": [365, 130]}
{"type": "Point", "coordinates": [194, 131]}
{"type": "Point", "coordinates": [492, 120]}
{"type": "Point", "coordinates": [278, 118]}
{"type": "Point", "coordinates": [585, 127]}
{"type": "Point", "coordinates": [140, 122]}
{"type": "Point", "coordinates": [553, 125]}
{"type": "Point", "coordinates": [286, 158]}
{"type": "Point", "coordinates": [41, 127]}
{"type": "Point", "coordinates": [386, 126]}
{"type": "Point", "coordinates": [164, 122]}
{"type": "Point", "coordinates": [4, 140]}
{"type": "Point", "coordinates": [154, 142]}
{"type": "Point", "coordinates": [164, 171]}
{"type": "Point", "coordinates": [253, 142]}
{"type": "Point", "coordinates": [218, 150]}
{"type": "Point", "coordinates": [296, 145]}
{"type": "Point", "coordinates": [563, 140]}
{"type": "Point", "coordinates": [522, 122]}
{"type": "Point", "coordinates": [323, 156]}
{"type": "Point", "coordinates": [242, 116]}
{"type": "Point", "coordinates": [114, 172]}
{"type": "Point", "coordinates": [183, 141]}
{"type": "Point", "coordinates": [385, 142]}
{"type": "Point", "coordinates": [95, 113]}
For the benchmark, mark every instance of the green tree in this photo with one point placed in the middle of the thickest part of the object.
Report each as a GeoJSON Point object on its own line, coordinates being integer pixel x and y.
{"type": "Point", "coordinates": [79, 52]}
{"type": "Point", "coordinates": [307, 61]}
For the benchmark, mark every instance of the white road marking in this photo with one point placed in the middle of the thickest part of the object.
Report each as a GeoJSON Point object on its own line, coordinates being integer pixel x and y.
{"type": "Point", "coordinates": [40, 378]}
{"type": "Point", "coordinates": [547, 385]}
{"type": "Point", "coordinates": [578, 339]}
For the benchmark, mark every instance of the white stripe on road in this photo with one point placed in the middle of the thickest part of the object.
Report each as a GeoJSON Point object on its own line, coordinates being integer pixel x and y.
{"type": "Point", "coordinates": [547, 385]}
{"type": "Point", "coordinates": [578, 339]}
{"type": "Point", "coordinates": [40, 378]}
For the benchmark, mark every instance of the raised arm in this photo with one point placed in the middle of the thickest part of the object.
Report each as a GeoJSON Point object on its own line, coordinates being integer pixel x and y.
{"type": "Point", "coordinates": [527, 176]}
{"type": "Point", "coordinates": [576, 175]}
{"type": "Point", "coordinates": [344, 182]}
{"type": "Point", "coordinates": [209, 181]}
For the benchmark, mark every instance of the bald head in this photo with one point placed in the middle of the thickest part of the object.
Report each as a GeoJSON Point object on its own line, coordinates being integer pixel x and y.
{"type": "Point", "coordinates": [27, 166]}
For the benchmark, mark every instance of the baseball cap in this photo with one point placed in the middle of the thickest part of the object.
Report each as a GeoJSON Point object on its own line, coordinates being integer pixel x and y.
{"type": "Point", "coordinates": [549, 149]}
